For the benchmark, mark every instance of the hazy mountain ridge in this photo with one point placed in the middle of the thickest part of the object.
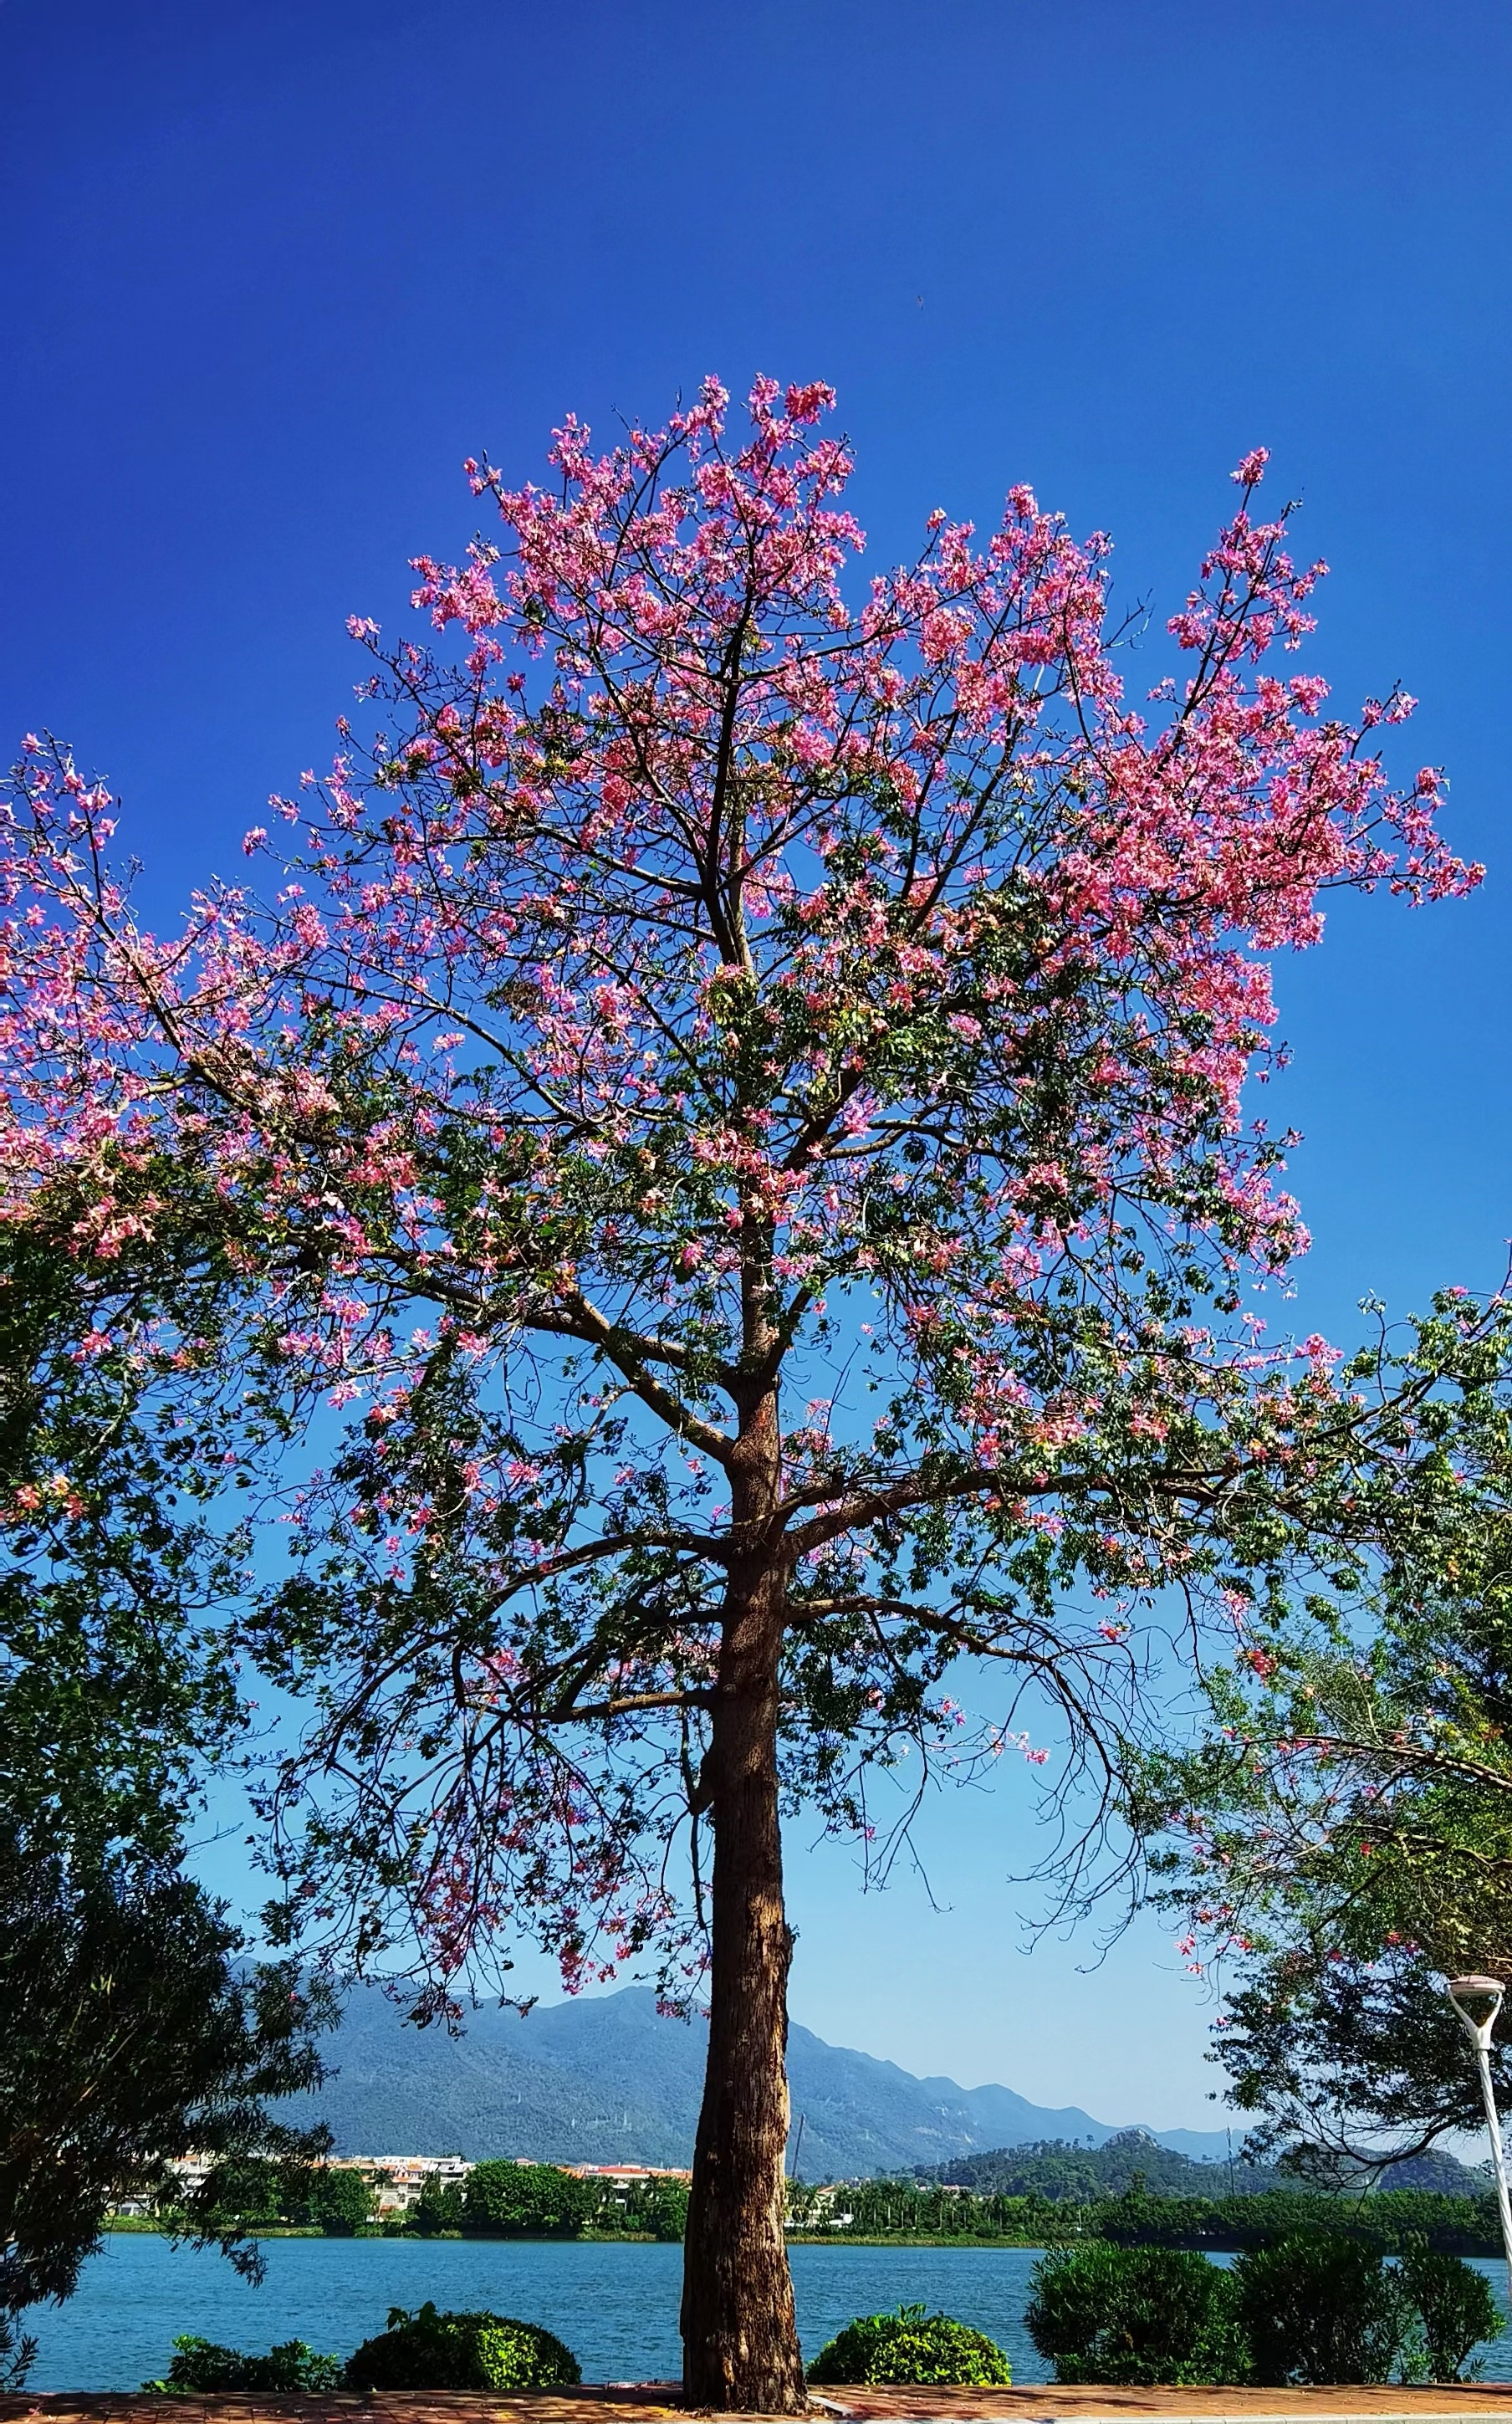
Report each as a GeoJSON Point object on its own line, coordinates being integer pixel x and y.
{"type": "Point", "coordinates": [609, 2079]}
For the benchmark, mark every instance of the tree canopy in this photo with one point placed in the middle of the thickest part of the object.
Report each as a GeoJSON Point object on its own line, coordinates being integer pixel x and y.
{"type": "Point", "coordinates": [1344, 1838]}
{"type": "Point", "coordinates": [131, 2030]}
{"type": "Point", "coordinates": [739, 1099]}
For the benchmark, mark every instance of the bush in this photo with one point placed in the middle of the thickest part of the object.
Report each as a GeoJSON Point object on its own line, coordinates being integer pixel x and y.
{"type": "Point", "coordinates": [527, 2201]}
{"type": "Point", "coordinates": [1455, 2308]}
{"type": "Point", "coordinates": [910, 2346]}
{"type": "Point", "coordinates": [432, 2351]}
{"type": "Point", "coordinates": [1322, 2309]}
{"type": "Point", "coordinates": [1104, 2313]}
{"type": "Point", "coordinates": [201, 2365]}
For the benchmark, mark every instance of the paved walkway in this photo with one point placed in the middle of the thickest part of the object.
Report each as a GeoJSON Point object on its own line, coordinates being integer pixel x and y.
{"type": "Point", "coordinates": [653, 2403]}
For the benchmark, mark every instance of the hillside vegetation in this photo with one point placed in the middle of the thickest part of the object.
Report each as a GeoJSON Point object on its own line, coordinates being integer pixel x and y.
{"type": "Point", "coordinates": [1133, 2159]}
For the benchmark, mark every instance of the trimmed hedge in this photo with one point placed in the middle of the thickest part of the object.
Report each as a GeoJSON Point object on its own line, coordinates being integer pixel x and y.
{"type": "Point", "coordinates": [1317, 2307]}
{"type": "Point", "coordinates": [1104, 2313]}
{"type": "Point", "coordinates": [204, 2364]}
{"type": "Point", "coordinates": [910, 2346]}
{"type": "Point", "coordinates": [461, 2352]}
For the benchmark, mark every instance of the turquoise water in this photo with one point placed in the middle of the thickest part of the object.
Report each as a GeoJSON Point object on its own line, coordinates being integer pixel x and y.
{"type": "Point", "coordinates": [615, 2305]}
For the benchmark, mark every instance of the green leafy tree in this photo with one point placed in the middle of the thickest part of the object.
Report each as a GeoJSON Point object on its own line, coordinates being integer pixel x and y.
{"type": "Point", "coordinates": [1322, 2309]}
{"type": "Point", "coordinates": [131, 2035]}
{"type": "Point", "coordinates": [660, 2207]}
{"type": "Point", "coordinates": [249, 2191]}
{"type": "Point", "coordinates": [1342, 1840]}
{"type": "Point", "coordinates": [1455, 2309]}
{"type": "Point", "coordinates": [438, 2208]}
{"type": "Point", "coordinates": [526, 2201]}
{"type": "Point", "coordinates": [341, 2201]}
{"type": "Point", "coordinates": [131, 2028]}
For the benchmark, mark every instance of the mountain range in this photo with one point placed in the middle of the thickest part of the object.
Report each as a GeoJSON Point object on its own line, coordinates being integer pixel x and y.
{"type": "Point", "coordinates": [609, 2080]}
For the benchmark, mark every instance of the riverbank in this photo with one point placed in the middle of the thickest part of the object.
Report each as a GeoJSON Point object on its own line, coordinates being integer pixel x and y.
{"type": "Point", "coordinates": [142, 2226]}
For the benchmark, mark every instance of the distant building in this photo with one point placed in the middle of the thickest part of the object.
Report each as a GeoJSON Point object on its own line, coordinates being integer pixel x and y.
{"type": "Point", "coordinates": [621, 2175]}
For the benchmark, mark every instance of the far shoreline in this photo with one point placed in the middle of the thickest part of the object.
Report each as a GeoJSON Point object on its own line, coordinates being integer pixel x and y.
{"type": "Point", "coordinates": [138, 2227]}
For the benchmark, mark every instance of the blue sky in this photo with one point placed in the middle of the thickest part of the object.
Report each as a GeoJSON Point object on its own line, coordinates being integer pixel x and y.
{"type": "Point", "coordinates": [270, 271]}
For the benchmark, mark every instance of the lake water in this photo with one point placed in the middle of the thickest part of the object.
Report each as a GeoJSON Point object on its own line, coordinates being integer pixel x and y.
{"type": "Point", "coordinates": [615, 2305]}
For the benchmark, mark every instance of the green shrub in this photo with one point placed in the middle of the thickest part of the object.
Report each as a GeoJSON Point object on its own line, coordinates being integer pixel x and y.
{"type": "Point", "coordinates": [910, 2346]}
{"type": "Point", "coordinates": [1455, 2309]}
{"type": "Point", "coordinates": [201, 2365]}
{"type": "Point", "coordinates": [1320, 2307]}
{"type": "Point", "coordinates": [1104, 2313]}
{"type": "Point", "coordinates": [432, 2351]}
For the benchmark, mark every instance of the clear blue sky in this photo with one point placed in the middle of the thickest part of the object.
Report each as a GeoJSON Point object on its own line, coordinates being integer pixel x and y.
{"type": "Point", "coordinates": [271, 268]}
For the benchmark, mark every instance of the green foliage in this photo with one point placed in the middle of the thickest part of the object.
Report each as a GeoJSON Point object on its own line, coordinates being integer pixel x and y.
{"type": "Point", "coordinates": [1104, 2313]}
{"type": "Point", "coordinates": [1322, 2309]}
{"type": "Point", "coordinates": [341, 2201]}
{"type": "Point", "coordinates": [526, 2201]}
{"type": "Point", "coordinates": [1053, 2170]}
{"type": "Point", "coordinates": [201, 2365]}
{"type": "Point", "coordinates": [437, 2209]}
{"type": "Point", "coordinates": [910, 2346]}
{"type": "Point", "coordinates": [658, 2206]}
{"type": "Point", "coordinates": [454, 2352]}
{"type": "Point", "coordinates": [242, 2194]}
{"type": "Point", "coordinates": [1349, 1818]}
{"type": "Point", "coordinates": [1455, 2309]}
{"type": "Point", "coordinates": [257, 2191]}
{"type": "Point", "coordinates": [1390, 2220]}
{"type": "Point", "coordinates": [1315, 2308]}
{"type": "Point", "coordinates": [129, 2034]}
{"type": "Point", "coordinates": [129, 2029]}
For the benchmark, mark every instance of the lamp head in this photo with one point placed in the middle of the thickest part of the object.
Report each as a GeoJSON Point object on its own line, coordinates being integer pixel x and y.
{"type": "Point", "coordinates": [1477, 2000]}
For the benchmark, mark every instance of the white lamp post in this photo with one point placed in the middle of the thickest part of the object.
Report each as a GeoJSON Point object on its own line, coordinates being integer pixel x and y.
{"type": "Point", "coordinates": [1488, 1992]}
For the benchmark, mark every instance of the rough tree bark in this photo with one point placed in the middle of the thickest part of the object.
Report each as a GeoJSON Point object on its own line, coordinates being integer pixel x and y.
{"type": "Point", "coordinates": [738, 2332]}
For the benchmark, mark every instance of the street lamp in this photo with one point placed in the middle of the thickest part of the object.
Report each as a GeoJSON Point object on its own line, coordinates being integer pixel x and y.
{"type": "Point", "coordinates": [1487, 1992]}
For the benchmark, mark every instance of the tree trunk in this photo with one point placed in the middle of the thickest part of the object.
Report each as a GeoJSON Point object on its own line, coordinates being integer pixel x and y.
{"type": "Point", "coordinates": [738, 2334]}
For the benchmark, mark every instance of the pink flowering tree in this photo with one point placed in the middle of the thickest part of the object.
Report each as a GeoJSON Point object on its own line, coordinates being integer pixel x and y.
{"type": "Point", "coordinates": [739, 1097]}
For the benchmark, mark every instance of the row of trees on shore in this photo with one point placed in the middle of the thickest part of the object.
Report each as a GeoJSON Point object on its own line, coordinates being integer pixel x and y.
{"type": "Point", "coordinates": [1391, 2219]}
{"type": "Point", "coordinates": [512, 2200]}
{"type": "Point", "coordinates": [499, 2199]}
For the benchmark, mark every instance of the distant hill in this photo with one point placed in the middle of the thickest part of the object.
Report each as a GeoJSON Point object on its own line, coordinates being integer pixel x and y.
{"type": "Point", "coordinates": [609, 2079]}
{"type": "Point", "coordinates": [1078, 2174]}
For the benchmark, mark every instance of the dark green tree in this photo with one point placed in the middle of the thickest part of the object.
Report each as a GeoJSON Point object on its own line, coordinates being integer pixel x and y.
{"type": "Point", "coordinates": [131, 2029]}
{"type": "Point", "coordinates": [132, 2035]}
{"type": "Point", "coordinates": [341, 2201]}
{"type": "Point", "coordinates": [526, 2201]}
{"type": "Point", "coordinates": [437, 2209]}
{"type": "Point", "coordinates": [660, 2207]}
{"type": "Point", "coordinates": [1342, 1838]}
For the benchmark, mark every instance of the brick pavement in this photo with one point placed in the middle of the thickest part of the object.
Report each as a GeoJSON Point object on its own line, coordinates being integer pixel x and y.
{"type": "Point", "coordinates": [654, 2402]}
